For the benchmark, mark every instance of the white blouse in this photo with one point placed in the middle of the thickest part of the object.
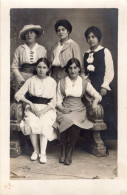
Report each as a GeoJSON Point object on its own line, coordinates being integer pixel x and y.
{"type": "Point", "coordinates": [75, 90]}
{"type": "Point", "coordinates": [45, 88]}
{"type": "Point", "coordinates": [56, 61]}
{"type": "Point", "coordinates": [23, 54]}
{"type": "Point", "coordinates": [109, 69]}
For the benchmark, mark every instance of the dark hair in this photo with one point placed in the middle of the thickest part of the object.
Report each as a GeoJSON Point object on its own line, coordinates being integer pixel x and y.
{"type": "Point", "coordinates": [65, 23]}
{"type": "Point", "coordinates": [70, 62]}
{"type": "Point", "coordinates": [95, 30]}
{"type": "Point", "coordinates": [45, 62]}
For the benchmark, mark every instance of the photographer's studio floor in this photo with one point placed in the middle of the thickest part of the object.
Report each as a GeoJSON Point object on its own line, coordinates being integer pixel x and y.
{"type": "Point", "coordinates": [84, 165]}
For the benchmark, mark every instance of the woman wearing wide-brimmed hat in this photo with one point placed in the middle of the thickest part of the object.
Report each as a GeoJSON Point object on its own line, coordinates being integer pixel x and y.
{"type": "Point", "coordinates": [27, 54]}
{"type": "Point", "coordinates": [65, 49]}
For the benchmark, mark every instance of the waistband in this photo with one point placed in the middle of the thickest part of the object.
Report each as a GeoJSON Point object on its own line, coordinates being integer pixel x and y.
{"type": "Point", "coordinates": [39, 100]}
{"type": "Point", "coordinates": [28, 68]}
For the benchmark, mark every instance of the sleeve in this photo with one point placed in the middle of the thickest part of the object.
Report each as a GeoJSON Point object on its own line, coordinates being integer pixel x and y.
{"type": "Point", "coordinates": [22, 91]}
{"type": "Point", "coordinates": [52, 56]}
{"type": "Point", "coordinates": [77, 54]}
{"type": "Point", "coordinates": [109, 70]}
{"type": "Point", "coordinates": [52, 103]}
{"type": "Point", "coordinates": [15, 66]}
{"type": "Point", "coordinates": [91, 91]}
{"type": "Point", "coordinates": [15, 62]}
{"type": "Point", "coordinates": [59, 98]}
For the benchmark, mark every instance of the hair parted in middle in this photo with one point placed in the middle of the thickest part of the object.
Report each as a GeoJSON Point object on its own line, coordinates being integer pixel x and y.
{"type": "Point", "coordinates": [70, 62]}
{"type": "Point", "coordinates": [45, 62]}
{"type": "Point", "coordinates": [95, 30]}
{"type": "Point", "coordinates": [65, 23]}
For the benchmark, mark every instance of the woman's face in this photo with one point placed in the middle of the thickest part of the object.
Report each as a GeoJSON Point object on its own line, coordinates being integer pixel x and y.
{"type": "Point", "coordinates": [30, 36]}
{"type": "Point", "coordinates": [62, 33]}
{"type": "Point", "coordinates": [73, 71]}
{"type": "Point", "coordinates": [92, 40]}
{"type": "Point", "coordinates": [42, 70]}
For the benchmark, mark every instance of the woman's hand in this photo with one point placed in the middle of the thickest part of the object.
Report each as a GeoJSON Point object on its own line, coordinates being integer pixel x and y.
{"type": "Point", "coordinates": [34, 109]}
{"type": "Point", "coordinates": [95, 106]}
{"type": "Point", "coordinates": [103, 91]}
{"type": "Point", "coordinates": [64, 110]}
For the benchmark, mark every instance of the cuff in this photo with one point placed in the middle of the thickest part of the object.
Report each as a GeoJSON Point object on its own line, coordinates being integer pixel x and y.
{"type": "Point", "coordinates": [106, 86]}
{"type": "Point", "coordinates": [51, 105]}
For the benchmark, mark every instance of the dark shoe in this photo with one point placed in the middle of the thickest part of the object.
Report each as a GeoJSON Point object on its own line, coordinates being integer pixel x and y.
{"type": "Point", "coordinates": [68, 157]}
{"type": "Point", "coordinates": [62, 154]}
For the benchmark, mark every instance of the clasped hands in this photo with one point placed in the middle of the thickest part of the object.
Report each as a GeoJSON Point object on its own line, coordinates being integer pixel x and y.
{"type": "Point", "coordinates": [35, 111]}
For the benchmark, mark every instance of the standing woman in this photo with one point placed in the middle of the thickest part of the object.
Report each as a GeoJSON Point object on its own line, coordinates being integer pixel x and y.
{"type": "Point", "coordinates": [71, 114]}
{"type": "Point", "coordinates": [40, 113]}
{"type": "Point", "coordinates": [99, 68]}
{"type": "Point", "coordinates": [27, 54]}
{"type": "Point", "coordinates": [65, 49]}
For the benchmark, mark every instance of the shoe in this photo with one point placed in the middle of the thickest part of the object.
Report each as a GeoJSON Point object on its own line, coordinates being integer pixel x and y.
{"type": "Point", "coordinates": [34, 156]}
{"type": "Point", "coordinates": [43, 158]}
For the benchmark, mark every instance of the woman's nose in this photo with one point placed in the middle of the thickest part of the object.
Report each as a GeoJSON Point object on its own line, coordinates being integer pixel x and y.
{"type": "Point", "coordinates": [28, 33]}
{"type": "Point", "coordinates": [91, 38]}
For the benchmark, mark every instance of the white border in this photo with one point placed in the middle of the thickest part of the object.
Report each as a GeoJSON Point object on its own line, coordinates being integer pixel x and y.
{"type": "Point", "coordinates": [59, 187]}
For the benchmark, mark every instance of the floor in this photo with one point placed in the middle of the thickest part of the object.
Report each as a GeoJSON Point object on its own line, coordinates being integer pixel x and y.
{"type": "Point", "coordinates": [84, 165]}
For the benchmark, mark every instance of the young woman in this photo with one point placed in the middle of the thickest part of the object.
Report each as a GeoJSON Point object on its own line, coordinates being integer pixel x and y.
{"type": "Point", "coordinates": [27, 54]}
{"type": "Point", "coordinates": [98, 61]}
{"type": "Point", "coordinates": [99, 68]}
{"type": "Point", "coordinates": [40, 113]}
{"type": "Point", "coordinates": [71, 114]}
{"type": "Point", "coordinates": [65, 49]}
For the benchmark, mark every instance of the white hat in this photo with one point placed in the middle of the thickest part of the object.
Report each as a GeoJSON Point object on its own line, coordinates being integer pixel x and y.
{"type": "Point", "coordinates": [30, 27]}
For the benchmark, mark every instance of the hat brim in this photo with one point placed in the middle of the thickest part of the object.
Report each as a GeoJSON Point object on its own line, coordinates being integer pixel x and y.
{"type": "Point", "coordinates": [40, 31]}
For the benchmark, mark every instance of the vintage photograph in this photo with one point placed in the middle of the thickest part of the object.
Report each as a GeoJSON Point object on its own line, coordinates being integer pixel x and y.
{"type": "Point", "coordinates": [63, 93]}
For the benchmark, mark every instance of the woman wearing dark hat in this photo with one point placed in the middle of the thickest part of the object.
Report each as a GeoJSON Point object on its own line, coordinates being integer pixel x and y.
{"type": "Point", "coordinates": [27, 54]}
{"type": "Point", "coordinates": [65, 49]}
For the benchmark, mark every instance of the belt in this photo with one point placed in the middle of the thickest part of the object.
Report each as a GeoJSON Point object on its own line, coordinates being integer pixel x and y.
{"type": "Point", "coordinates": [39, 100]}
{"type": "Point", "coordinates": [28, 68]}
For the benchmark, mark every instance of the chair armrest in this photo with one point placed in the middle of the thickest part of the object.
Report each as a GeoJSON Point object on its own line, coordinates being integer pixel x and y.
{"type": "Point", "coordinates": [92, 115]}
{"type": "Point", "coordinates": [16, 112]}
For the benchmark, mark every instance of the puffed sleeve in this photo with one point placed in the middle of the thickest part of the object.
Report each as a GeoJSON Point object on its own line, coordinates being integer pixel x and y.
{"type": "Point", "coordinates": [15, 65]}
{"type": "Point", "coordinates": [22, 91]}
{"type": "Point", "coordinates": [91, 91]}
{"type": "Point", "coordinates": [15, 62]}
{"type": "Point", "coordinates": [52, 103]}
{"type": "Point", "coordinates": [109, 70]}
{"type": "Point", "coordinates": [59, 99]}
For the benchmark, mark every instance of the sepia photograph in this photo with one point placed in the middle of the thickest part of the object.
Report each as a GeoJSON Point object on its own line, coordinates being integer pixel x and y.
{"type": "Point", "coordinates": [65, 110]}
{"type": "Point", "coordinates": [79, 134]}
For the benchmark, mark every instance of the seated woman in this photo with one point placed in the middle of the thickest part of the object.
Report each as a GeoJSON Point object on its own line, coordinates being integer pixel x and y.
{"type": "Point", "coordinates": [71, 114]}
{"type": "Point", "coordinates": [40, 113]}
